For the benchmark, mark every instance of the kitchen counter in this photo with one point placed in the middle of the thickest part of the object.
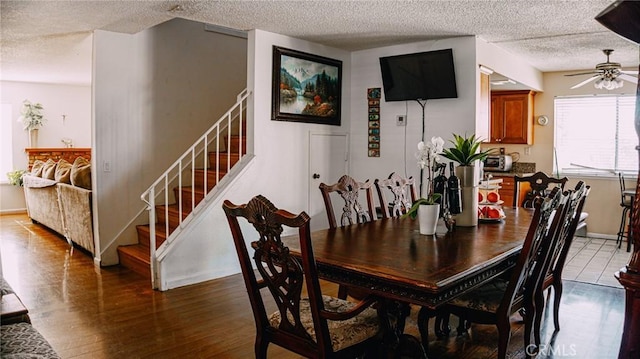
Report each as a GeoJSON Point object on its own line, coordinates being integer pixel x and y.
{"type": "Point", "coordinates": [518, 169]}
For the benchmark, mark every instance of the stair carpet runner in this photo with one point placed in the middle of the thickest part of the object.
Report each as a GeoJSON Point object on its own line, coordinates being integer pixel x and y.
{"type": "Point", "coordinates": [137, 256]}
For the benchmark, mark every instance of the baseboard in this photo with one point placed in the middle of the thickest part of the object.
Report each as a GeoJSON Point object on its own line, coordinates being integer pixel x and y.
{"type": "Point", "coordinates": [13, 211]}
{"type": "Point", "coordinates": [601, 235]}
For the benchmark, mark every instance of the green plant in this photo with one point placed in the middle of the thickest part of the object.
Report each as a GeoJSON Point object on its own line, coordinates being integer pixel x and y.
{"type": "Point", "coordinates": [465, 150]}
{"type": "Point", "coordinates": [31, 115]}
{"type": "Point", "coordinates": [15, 177]}
{"type": "Point", "coordinates": [413, 211]}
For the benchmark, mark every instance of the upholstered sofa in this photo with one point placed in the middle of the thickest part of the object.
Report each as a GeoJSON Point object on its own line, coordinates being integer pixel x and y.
{"type": "Point", "coordinates": [58, 196]}
{"type": "Point", "coordinates": [19, 338]}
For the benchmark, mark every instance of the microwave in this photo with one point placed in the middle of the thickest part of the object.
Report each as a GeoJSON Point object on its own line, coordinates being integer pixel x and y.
{"type": "Point", "coordinates": [498, 163]}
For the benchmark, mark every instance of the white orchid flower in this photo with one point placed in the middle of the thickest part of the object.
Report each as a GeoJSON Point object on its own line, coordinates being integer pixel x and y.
{"type": "Point", "coordinates": [437, 144]}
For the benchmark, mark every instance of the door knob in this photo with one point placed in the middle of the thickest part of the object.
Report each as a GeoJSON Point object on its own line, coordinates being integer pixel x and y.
{"type": "Point", "coordinates": [316, 175]}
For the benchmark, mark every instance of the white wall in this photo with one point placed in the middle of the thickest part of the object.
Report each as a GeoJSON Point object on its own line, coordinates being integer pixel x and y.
{"type": "Point", "coordinates": [74, 101]}
{"type": "Point", "coordinates": [155, 93]}
{"type": "Point", "coordinates": [443, 117]}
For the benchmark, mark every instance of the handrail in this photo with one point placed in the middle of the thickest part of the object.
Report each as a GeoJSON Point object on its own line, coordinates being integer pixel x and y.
{"type": "Point", "coordinates": [183, 173]}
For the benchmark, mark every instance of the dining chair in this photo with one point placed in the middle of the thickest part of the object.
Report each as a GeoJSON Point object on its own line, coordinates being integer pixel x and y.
{"type": "Point", "coordinates": [539, 183]}
{"type": "Point", "coordinates": [352, 211]}
{"type": "Point", "coordinates": [348, 189]}
{"type": "Point", "coordinates": [317, 326]}
{"type": "Point", "coordinates": [556, 259]}
{"type": "Point", "coordinates": [404, 194]}
{"type": "Point", "coordinates": [626, 202]}
{"type": "Point", "coordinates": [495, 302]}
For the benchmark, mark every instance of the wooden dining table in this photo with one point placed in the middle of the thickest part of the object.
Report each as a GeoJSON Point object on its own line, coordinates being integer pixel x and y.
{"type": "Point", "coordinates": [390, 258]}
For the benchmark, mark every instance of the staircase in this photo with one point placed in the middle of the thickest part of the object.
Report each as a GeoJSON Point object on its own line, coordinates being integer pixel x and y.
{"type": "Point", "coordinates": [184, 186]}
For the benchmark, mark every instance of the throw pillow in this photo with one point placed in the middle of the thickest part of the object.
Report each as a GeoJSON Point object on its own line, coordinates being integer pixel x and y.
{"type": "Point", "coordinates": [81, 173]}
{"type": "Point", "coordinates": [36, 169]}
{"type": "Point", "coordinates": [63, 172]}
{"type": "Point", "coordinates": [49, 169]}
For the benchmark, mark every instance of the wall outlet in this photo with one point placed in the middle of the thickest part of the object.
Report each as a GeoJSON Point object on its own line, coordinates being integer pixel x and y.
{"type": "Point", "coordinates": [527, 150]}
{"type": "Point", "coordinates": [401, 120]}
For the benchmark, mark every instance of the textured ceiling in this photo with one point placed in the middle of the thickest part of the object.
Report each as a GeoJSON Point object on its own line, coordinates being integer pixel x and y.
{"type": "Point", "coordinates": [50, 41]}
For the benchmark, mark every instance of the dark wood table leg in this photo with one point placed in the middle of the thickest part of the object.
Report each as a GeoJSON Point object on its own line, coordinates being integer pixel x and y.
{"type": "Point", "coordinates": [393, 315]}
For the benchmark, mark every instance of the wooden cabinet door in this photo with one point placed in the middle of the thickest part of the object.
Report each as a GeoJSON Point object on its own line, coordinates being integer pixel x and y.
{"type": "Point", "coordinates": [512, 117]}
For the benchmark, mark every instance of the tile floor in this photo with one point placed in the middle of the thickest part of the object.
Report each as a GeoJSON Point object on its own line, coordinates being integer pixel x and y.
{"type": "Point", "coordinates": [595, 260]}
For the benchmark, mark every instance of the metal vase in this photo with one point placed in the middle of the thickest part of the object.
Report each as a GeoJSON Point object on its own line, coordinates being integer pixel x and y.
{"type": "Point", "coordinates": [469, 178]}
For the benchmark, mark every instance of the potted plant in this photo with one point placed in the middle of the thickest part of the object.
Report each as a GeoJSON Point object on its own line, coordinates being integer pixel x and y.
{"type": "Point", "coordinates": [32, 119]}
{"type": "Point", "coordinates": [427, 208]}
{"type": "Point", "coordinates": [15, 177]}
{"type": "Point", "coordinates": [466, 151]}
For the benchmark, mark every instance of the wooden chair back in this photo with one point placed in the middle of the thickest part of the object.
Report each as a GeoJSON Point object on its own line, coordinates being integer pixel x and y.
{"type": "Point", "coordinates": [528, 266]}
{"type": "Point", "coordinates": [525, 277]}
{"type": "Point", "coordinates": [404, 194]}
{"type": "Point", "coordinates": [568, 222]}
{"type": "Point", "coordinates": [352, 211]}
{"type": "Point", "coordinates": [518, 293]}
{"type": "Point", "coordinates": [284, 276]}
{"type": "Point", "coordinates": [539, 183]}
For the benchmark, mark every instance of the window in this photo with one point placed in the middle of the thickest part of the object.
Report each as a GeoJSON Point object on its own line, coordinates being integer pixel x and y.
{"type": "Point", "coordinates": [595, 135]}
{"type": "Point", "coordinates": [6, 150]}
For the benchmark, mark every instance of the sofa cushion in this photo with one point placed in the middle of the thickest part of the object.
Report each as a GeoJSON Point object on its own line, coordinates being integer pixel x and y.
{"type": "Point", "coordinates": [63, 172]}
{"type": "Point", "coordinates": [36, 169]}
{"type": "Point", "coordinates": [81, 173]}
{"type": "Point", "coordinates": [49, 169]}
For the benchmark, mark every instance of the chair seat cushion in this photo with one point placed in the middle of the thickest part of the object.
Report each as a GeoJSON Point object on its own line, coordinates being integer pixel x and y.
{"type": "Point", "coordinates": [485, 298]}
{"type": "Point", "coordinates": [343, 333]}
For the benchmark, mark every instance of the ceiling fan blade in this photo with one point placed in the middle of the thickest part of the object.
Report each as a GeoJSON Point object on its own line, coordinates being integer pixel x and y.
{"type": "Point", "coordinates": [585, 81]}
{"type": "Point", "coordinates": [584, 73]}
{"type": "Point", "coordinates": [628, 78]}
{"type": "Point", "coordinates": [629, 72]}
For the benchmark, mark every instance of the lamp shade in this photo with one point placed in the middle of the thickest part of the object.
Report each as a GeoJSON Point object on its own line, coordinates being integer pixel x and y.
{"type": "Point", "coordinates": [623, 18]}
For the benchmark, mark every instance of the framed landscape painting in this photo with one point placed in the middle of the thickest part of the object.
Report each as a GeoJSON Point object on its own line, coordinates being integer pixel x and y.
{"type": "Point", "coordinates": [306, 88]}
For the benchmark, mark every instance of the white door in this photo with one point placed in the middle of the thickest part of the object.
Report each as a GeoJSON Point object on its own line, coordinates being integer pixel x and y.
{"type": "Point", "coordinates": [328, 161]}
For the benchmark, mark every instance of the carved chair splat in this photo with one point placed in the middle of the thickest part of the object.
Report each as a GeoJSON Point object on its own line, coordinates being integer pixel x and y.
{"type": "Point", "coordinates": [316, 327]}
{"type": "Point", "coordinates": [404, 194]}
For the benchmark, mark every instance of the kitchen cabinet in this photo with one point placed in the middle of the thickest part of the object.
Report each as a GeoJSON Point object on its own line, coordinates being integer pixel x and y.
{"type": "Point", "coordinates": [512, 117]}
{"type": "Point", "coordinates": [507, 188]}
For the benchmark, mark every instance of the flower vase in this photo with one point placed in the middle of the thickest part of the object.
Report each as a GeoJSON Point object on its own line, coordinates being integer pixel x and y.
{"type": "Point", "coordinates": [428, 218]}
{"type": "Point", "coordinates": [469, 179]}
{"type": "Point", "coordinates": [33, 138]}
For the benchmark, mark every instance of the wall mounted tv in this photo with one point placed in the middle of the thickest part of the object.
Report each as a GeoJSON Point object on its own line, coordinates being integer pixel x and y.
{"type": "Point", "coordinates": [419, 76]}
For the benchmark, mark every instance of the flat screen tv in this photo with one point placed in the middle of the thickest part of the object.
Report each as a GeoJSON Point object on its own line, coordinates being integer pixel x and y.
{"type": "Point", "coordinates": [419, 76]}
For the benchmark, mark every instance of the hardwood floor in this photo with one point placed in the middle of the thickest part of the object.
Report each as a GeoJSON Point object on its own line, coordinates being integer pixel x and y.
{"type": "Point", "coordinates": [90, 312]}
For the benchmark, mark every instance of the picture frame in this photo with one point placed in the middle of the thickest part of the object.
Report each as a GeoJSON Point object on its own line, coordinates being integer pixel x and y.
{"type": "Point", "coordinates": [306, 88]}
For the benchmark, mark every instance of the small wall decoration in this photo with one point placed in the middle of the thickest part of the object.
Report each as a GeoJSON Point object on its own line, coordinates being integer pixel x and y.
{"type": "Point", "coordinates": [306, 88]}
{"type": "Point", "coordinates": [373, 98]}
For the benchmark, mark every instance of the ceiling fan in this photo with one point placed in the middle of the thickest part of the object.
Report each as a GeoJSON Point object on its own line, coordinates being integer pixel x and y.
{"type": "Point", "coordinates": [607, 75]}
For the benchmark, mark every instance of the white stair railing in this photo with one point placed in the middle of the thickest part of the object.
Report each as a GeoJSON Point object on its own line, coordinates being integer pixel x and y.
{"type": "Point", "coordinates": [191, 172]}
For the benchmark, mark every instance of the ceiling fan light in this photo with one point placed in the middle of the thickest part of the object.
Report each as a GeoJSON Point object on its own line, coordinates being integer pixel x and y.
{"type": "Point", "coordinates": [619, 83]}
{"type": "Point", "coordinates": [598, 84]}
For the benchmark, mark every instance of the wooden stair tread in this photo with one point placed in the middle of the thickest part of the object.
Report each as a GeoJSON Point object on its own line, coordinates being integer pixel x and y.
{"type": "Point", "coordinates": [138, 251]}
{"type": "Point", "coordinates": [173, 209]}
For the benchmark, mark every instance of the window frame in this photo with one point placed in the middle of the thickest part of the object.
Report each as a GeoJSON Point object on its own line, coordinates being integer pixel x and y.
{"type": "Point", "coordinates": [594, 172]}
